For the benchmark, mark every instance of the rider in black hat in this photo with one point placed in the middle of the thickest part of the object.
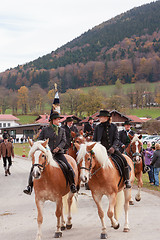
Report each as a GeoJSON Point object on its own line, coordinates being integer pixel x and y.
{"type": "Point", "coordinates": [124, 139]}
{"type": "Point", "coordinates": [69, 127]}
{"type": "Point", "coordinates": [89, 127]}
{"type": "Point", "coordinates": [107, 133]}
{"type": "Point", "coordinates": [57, 141]}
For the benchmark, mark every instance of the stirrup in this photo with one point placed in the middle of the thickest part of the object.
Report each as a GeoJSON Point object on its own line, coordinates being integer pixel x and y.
{"type": "Point", "coordinates": [146, 169]}
{"type": "Point", "coordinates": [73, 188]}
{"type": "Point", "coordinates": [28, 190]}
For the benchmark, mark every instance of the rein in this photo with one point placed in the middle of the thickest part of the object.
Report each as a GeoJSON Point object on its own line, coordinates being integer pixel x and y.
{"type": "Point", "coordinates": [41, 166]}
{"type": "Point", "coordinates": [90, 166]}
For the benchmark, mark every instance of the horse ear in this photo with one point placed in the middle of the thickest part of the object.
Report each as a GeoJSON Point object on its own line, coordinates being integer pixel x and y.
{"type": "Point", "coordinates": [45, 143]}
{"type": "Point", "coordinates": [140, 136]}
{"type": "Point", "coordinates": [77, 146]}
{"type": "Point", "coordinates": [89, 148]}
{"type": "Point", "coordinates": [81, 132]}
{"type": "Point", "coordinates": [30, 142]}
{"type": "Point", "coordinates": [130, 136]}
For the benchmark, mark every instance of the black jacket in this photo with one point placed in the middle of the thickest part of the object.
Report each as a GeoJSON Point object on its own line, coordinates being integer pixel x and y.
{"type": "Point", "coordinates": [54, 140]}
{"type": "Point", "coordinates": [156, 159]}
{"type": "Point", "coordinates": [112, 134]}
{"type": "Point", "coordinates": [68, 134]}
{"type": "Point", "coordinates": [88, 128]}
{"type": "Point", "coordinates": [124, 139]}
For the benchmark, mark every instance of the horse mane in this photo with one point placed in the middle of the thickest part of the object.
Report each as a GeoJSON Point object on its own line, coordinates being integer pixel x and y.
{"type": "Point", "coordinates": [99, 151]}
{"type": "Point", "coordinates": [38, 146]}
{"type": "Point", "coordinates": [136, 138]}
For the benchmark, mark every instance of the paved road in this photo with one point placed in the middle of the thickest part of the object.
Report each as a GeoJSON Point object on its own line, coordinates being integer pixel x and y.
{"type": "Point", "coordinates": [18, 213]}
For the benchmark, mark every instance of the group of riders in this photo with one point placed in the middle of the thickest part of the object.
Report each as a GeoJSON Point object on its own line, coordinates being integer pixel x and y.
{"type": "Point", "coordinates": [105, 132]}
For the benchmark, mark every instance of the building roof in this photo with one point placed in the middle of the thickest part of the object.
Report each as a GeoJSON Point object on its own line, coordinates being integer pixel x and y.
{"type": "Point", "coordinates": [8, 117]}
{"type": "Point", "coordinates": [136, 119]}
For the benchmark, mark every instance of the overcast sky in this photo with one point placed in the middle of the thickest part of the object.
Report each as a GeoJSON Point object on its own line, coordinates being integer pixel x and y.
{"type": "Point", "coordinates": [32, 28]}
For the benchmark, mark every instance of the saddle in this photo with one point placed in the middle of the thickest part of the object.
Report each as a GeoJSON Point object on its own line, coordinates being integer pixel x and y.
{"type": "Point", "coordinates": [118, 162]}
{"type": "Point", "coordinates": [64, 169]}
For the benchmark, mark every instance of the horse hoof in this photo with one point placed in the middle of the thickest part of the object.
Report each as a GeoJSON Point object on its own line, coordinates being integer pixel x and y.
{"type": "Point", "coordinates": [68, 226]}
{"type": "Point", "coordinates": [58, 234]}
{"type": "Point", "coordinates": [138, 199]}
{"type": "Point", "coordinates": [126, 230]}
{"type": "Point", "coordinates": [63, 228]}
{"type": "Point", "coordinates": [116, 227]}
{"type": "Point", "coordinates": [103, 235]}
{"type": "Point", "coordinates": [131, 203]}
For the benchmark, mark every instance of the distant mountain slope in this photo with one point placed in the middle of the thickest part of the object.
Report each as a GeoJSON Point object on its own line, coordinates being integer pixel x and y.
{"type": "Point", "coordinates": [126, 47]}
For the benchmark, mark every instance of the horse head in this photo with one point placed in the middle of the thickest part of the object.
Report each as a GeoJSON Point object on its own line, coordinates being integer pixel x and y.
{"type": "Point", "coordinates": [136, 146]}
{"type": "Point", "coordinates": [39, 156]}
{"type": "Point", "coordinates": [85, 160]}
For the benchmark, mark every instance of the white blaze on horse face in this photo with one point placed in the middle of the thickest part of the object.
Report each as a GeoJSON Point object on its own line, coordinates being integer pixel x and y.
{"type": "Point", "coordinates": [84, 174]}
{"type": "Point", "coordinates": [36, 171]}
{"type": "Point", "coordinates": [137, 150]}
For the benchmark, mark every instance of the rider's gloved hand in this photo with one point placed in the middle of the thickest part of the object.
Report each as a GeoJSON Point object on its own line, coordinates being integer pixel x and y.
{"type": "Point", "coordinates": [111, 150]}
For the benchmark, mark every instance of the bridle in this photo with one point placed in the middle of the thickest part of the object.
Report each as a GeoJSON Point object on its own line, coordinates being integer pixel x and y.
{"type": "Point", "coordinates": [90, 166]}
{"type": "Point", "coordinates": [41, 166]}
{"type": "Point", "coordinates": [135, 154]}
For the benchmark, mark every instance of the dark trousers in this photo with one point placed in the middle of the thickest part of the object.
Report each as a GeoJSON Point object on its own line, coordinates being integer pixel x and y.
{"type": "Point", "coordinates": [5, 161]}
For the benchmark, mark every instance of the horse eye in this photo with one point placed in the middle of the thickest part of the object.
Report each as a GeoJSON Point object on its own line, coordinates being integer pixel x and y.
{"type": "Point", "coordinates": [43, 155]}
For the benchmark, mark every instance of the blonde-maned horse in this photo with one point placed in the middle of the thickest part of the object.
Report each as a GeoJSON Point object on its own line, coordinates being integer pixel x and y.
{"type": "Point", "coordinates": [50, 184]}
{"type": "Point", "coordinates": [134, 151]}
{"type": "Point", "coordinates": [103, 178]}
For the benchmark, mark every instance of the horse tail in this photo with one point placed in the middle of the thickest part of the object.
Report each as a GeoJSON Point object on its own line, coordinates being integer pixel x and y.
{"type": "Point", "coordinates": [119, 206]}
{"type": "Point", "coordinates": [65, 204]}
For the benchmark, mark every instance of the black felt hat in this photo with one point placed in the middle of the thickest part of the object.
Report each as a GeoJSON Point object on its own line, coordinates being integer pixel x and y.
{"type": "Point", "coordinates": [54, 115]}
{"type": "Point", "coordinates": [104, 113]}
{"type": "Point", "coordinates": [69, 119]}
{"type": "Point", "coordinates": [127, 122]}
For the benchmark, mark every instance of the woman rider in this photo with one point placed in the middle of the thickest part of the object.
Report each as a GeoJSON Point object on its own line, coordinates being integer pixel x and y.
{"type": "Point", "coordinates": [57, 141]}
{"type": "Point", "coordinates": [107, 134]}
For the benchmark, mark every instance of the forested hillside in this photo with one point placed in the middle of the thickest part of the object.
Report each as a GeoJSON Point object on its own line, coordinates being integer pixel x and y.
{"type": "Point", "coordinates": [126, 47]}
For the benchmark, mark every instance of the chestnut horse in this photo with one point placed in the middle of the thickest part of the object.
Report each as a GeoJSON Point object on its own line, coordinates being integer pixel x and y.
{"type": "Point", "coordinates": [134, 151]}
{"type": "Point", "coordinates": [103, 178]}
{"type": "Point", "coordinates": [50, 184]}
{"type": "Point", "coordinates": [72, 151]}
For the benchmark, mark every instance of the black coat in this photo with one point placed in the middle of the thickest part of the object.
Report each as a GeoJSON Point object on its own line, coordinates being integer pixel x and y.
{"type": "Point", "coordinates": [124, 139]}
{"type": "Point", "coordinates": [68, 134]}
{"type": "Point", "coordinates": [88, 128]}
{"type": "Point", "coordinates": [54, 140]}
{"type": "Point", "coordinates": [156, 159]}
{"type": "Point", "coordinates": [112, 134]}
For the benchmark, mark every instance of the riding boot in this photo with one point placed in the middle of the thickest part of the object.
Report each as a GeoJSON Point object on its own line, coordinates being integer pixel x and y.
{"type": "Point", "coordinates": [145, 168]}
{"type": "Point", "coordinates": [8, 170]}
{"type": "Point", "coordinates": [28, 189]}
{"type": "Point", "coordinates": [127, 180]}
{"type": "Point", "coordinates": [71, 181]}
{"type": "Point", "coordinates": [5, 171]}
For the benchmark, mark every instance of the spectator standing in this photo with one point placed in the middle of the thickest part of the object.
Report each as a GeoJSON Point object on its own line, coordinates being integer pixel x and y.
{"type": "Point", "coordinates": [156, 164]}
{"type": "Point", "coordinates": [148, 154]}
{"type": "Point", "coordinates": [6, 151]}
{"type": "Point", "coordinates": [89, 127]}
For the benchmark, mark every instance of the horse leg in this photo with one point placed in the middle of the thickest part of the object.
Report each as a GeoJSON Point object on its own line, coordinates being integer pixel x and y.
{"type": "Point", "coordinates": [58, 232]}
{"type": "Point", "coordinates": [69, 218]}
{"type": "Point", "coordinates": [110, 213]}
{"type": "Point", "coordinates": [39, 205]}
{"type": "Point", "coordinates": [127, 197]}
{"type": "Point", "coordinates": [97, 199]}
{"type": "Point", "coordinates": [63, 226]}
{"type": "Point", "coordinates": [140, 184]}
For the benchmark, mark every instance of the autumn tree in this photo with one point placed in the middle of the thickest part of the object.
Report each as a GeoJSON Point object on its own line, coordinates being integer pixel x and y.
{"type": "Point", "coordinates": [23, 99]}
{"type": "Point", "coordinates": [36, 99]}
{"type": "Point", "coordinates": [4, 99]}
